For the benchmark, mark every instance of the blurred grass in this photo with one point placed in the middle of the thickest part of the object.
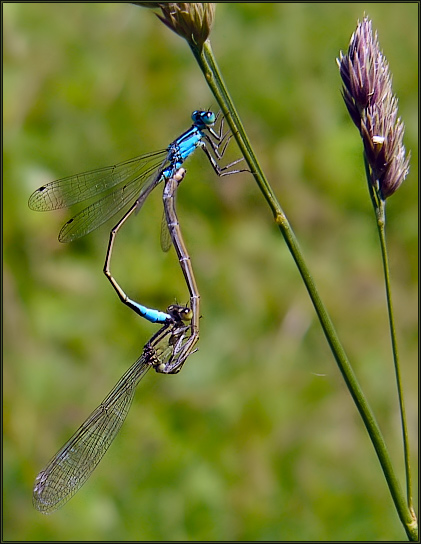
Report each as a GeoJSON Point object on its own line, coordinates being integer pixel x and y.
{"type": "Point", "coordinates": [257, 438]}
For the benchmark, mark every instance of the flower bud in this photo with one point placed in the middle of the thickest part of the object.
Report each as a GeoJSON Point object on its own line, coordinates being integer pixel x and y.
{"type": "Point", "coordinates": [190, 20]}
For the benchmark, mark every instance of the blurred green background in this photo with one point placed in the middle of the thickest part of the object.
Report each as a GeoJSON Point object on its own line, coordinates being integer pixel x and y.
{"type": "Point", "coordinates": [257, 438]}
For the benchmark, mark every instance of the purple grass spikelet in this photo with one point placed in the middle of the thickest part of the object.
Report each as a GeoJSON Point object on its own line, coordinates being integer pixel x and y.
{"type": "Point", "coordinates": [367, 92]}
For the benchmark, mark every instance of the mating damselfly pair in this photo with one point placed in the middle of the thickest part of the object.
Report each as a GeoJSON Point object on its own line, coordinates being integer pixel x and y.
{"type": "Point", "coordinates": [127, 183]}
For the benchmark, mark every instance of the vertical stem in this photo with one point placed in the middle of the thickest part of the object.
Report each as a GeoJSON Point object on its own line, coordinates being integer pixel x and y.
{"type": "Point", "coordinates": [379, 205]}
{"type": "Point", "coordinates": [382, 235]}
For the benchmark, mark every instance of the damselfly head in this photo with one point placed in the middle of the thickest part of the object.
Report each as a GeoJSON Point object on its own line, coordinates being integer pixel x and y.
{"type": "Point", "coordinates": [203, 119]}
{"type": "Point", "coordinates": [180, 313]}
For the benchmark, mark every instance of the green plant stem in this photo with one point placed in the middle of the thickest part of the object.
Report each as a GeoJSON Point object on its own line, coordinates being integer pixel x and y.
{"type": "Point", "coordinates": [207, 63]}
{"type": "Point", "coordinates": [381, 228]}
{"type": "Point", "coordinates": [379, 205]}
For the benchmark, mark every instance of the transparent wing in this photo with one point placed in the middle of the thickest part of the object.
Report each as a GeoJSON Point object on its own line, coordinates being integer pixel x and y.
{"type": "Point", "coordinates": [97, 213]}
{"type": "Point", "coordinates": [74, 463]}
{"type": "Point", "coordinates": [65, 192]}
{"type": "Point", "coordinates": [69, 469]}
{"type": "Point", "coordinates": [166, 241]}
{"type": "Point", "coordinates": [123, 183]}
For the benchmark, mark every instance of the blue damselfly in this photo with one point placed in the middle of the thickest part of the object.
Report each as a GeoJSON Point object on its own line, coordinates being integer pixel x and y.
{"type": "Point", "coordinates": [130, 182]}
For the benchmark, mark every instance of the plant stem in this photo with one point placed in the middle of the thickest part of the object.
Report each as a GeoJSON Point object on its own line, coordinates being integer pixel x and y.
{"type": "Point", "coordinates": [207, 63]}
{"type": "Point", "coordinates": [379, 205]}
{"type": "Point", "coordinates": [382, 235]}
